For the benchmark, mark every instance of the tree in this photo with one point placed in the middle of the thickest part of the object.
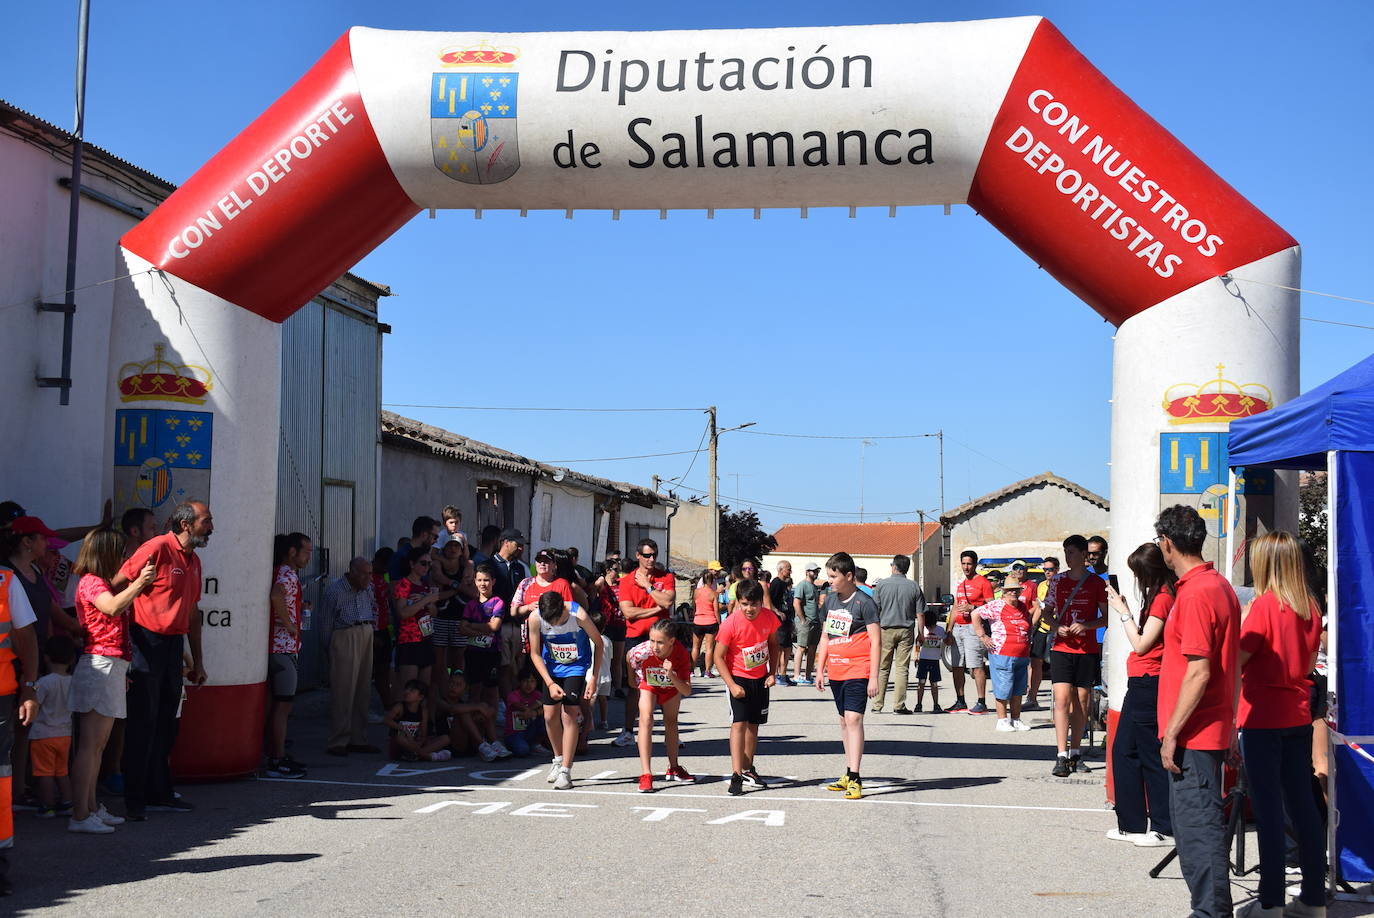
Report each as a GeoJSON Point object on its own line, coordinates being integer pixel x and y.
{"type": "Point", "coordinates": [742, 536]}
{"type": "Point", "coordinates": [1312, 521]}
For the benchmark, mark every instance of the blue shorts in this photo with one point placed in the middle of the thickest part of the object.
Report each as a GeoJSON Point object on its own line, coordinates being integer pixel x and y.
{"type": "Point", "coordinates": [850, 695]}
{"type": "Point", "coordinates": [1008, 676]}
{"type": "Point", "coordinates": [928, 671]}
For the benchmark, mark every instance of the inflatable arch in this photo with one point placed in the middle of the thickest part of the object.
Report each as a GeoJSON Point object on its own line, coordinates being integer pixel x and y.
{"type": "Point", "coordinates": [1003, 115]}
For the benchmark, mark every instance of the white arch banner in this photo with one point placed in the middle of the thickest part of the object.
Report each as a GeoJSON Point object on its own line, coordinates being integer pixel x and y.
{"type": "Point", "coordinates": [1003, 115]}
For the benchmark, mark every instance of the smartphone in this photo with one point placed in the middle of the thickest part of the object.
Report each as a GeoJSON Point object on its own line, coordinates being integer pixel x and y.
{"type": "Point", "coordinates": [1111, 578]}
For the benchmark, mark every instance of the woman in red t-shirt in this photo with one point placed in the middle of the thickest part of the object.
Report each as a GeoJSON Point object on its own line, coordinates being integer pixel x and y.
{"type": "Point", "coordinates": [705, 623]}
{"type": "Point", "coordinates": [98, 680]}
{"type": "Point", "coordinates": [1138, 773]}
{"type": "Point", "coordinates": [1279, 635]}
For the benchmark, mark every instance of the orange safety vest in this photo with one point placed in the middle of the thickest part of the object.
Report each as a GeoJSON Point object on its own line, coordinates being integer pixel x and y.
{"type": "Point", "coordinates": [8, 686]}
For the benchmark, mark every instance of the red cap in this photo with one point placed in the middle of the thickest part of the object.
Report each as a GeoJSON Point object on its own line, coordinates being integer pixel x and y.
{"type": "Point", "coordinates": [31, 525]}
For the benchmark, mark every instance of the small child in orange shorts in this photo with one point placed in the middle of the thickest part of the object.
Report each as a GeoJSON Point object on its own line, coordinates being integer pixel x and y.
{"type": "Point", "coordinates": [50, 737]}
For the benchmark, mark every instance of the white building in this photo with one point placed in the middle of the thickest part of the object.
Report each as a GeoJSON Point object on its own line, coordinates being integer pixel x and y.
{"type": "Point", "coordinates": [1028, 519]}
{"type": "Point", "coordinates": [426, 467]}
{"type": "Point", "coordinates": [872, 546]}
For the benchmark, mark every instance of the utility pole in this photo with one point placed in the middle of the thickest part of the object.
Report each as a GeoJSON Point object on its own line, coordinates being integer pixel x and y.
{"type": "Point", "coordinates": [863, 449]}
{"type": "Point", "coordinates": [944, 553]}
{"type": "Point", "coordinates": [921, 549]}
{"type": "Point", "coordinates": [715, 483]}
{"type": "Point", "coordinates": [715, 496]}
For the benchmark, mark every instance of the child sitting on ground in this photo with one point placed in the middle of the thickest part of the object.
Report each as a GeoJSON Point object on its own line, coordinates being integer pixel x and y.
{"type": "Point", "coordinates": [928, 664]}
{"type": "Point", "coordinates": [471, 725]}
{"type": "Point", "coordinates": [50, 737]}
{"type": "Point", "coordinates": [525, 714]}
{"type": "Point", "coordinates": [408, 722]}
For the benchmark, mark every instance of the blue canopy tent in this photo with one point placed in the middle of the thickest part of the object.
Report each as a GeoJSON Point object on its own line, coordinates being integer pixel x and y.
{"type": "Point", "coordinates": [1331, 428]}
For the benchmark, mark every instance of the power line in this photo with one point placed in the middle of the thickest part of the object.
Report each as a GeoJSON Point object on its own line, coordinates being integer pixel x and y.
{"type": "Point", "coordinates": [534, 408]}
{"type": "Point", "coordinates": [766, 433]}
{"type": "Point", "coordinates": [683, 477]}
{"type": "Point", "coordinates": [1342, 324]}
{"type": "Point", "coordinates": [681, 452]}
{"type": "Point", "coordinates": [807, 510]}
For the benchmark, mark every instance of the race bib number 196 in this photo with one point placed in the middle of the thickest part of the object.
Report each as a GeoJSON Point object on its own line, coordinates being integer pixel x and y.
{"type": "Point", "coordinates": [755, 656]}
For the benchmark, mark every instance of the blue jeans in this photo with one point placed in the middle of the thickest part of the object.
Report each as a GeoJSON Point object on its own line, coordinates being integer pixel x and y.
{"type": "Point", "coordinates": [521, 743]}
{"type": "Point", "coordinates": [1279, 765]}
{"type": "Point", "coordinates": [1137, 772]}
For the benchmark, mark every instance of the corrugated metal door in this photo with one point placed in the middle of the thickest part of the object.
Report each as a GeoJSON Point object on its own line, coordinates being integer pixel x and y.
{"type": "Point", "coordinates": [350, 420]}
{"type": "Point", "coordinates": [333, 550]}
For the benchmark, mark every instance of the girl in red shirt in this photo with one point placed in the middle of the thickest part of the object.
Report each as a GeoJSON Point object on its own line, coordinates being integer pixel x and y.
{"type": "Point", "coordinates": [1137, 771]}
{"type": "Point", "coordinates": [413, 600]}
{"type": "Point", "coordinates": [98, 680]}
{"type": "Point", "coordinates": [1279, 636]}
{"type": "Point", "coordinates": [705, 623]}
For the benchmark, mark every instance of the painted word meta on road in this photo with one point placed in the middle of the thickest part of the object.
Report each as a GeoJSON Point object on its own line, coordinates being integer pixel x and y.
{"type": "Point", "coordinates": [566, 811]}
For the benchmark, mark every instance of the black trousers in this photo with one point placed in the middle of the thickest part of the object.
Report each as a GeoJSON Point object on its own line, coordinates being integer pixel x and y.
{"type": "Point", "coordinates": [1138, 775]}
{"type": "Point", "coordinates": [151, 728]}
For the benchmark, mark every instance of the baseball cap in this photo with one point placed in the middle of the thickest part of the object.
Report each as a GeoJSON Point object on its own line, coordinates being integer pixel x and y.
{"type": "Point", "coordinates": [512, 535]}
{"type": "Point", "coordinates": [32, 525]}
{"type": "Point", "coordinates": [714, 566]}
{"type": "Point", "coordinates": [813, 567]}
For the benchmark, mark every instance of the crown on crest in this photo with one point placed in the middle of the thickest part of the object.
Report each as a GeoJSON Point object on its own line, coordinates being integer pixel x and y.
{"type": "Point", "coordinates": [1216, 401]}
{"type": "Point", "coordinates": [160, 380]}
{"type": "Point", "coordinates": [478, 55]}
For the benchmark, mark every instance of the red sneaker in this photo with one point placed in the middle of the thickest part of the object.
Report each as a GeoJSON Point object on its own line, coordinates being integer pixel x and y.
{"type": "Point", "coordinates": [678, 773]}
{"type": "Point", "coordinates": [646, 783]}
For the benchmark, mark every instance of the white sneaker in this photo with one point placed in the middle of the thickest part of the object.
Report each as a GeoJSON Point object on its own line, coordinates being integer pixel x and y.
{"type": "Point", "coordinates": [501, 751]}
{"type": "Point", "coordinates": [487, 753]}
{"type": "Point", "coordinates": [443, 755]}
{"type": "Point", "coordinates": [1118, 835]}
{"type": "Point", "coordinates": [1152, 840]}
{"type": "Point", "coordinates": [110, 819]}
{"type": "Point", "coordinates": [564, 779]}
{"type": "Point", "coordinates": [554, 769]}
{"type": "Point", "coordinates": [91, 825]}
{"type": "Point", "coordinates": [1004, 726]}
{"type": "Point", "coordinates": [626, 738]}
{"type": "Point", "coordinates": [1020, 726]}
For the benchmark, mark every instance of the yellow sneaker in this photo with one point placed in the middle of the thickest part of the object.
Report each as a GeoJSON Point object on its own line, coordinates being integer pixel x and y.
{"type": "Point", "coordinates": [854, 790]}
{"type": "Point", "coordinates": [841, 783]}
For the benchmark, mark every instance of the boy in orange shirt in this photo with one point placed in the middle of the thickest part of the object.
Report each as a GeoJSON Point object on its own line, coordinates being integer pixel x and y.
{"type": "Point", "coordinates": [847, 657]}
{"type": "Point", "coordinates": [746, 657]}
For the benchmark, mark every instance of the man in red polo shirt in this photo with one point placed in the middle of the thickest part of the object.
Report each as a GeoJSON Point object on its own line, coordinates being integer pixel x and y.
{"type": "Point", "coordinates": [164, 616]}
{"type": "Point", "coordinates": [645, 597]}
{"type": "Point", "coordinates": [1197, 706]}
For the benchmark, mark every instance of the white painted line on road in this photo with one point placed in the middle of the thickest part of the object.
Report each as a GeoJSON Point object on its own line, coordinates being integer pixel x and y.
{"type": "Point", "coordinates": [507, 788]}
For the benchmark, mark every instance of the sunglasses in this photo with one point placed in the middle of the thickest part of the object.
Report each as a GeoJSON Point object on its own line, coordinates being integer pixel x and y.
{"type": "Point", "coordinates": [648, 554]}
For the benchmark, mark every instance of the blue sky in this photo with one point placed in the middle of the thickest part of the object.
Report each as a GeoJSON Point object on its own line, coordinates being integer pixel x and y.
{"type": "Point", "coordinates": [864, 327]}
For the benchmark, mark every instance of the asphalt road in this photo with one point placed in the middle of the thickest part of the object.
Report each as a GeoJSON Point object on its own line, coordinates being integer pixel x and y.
{"type": "Point", "coordinates": [956, 820]}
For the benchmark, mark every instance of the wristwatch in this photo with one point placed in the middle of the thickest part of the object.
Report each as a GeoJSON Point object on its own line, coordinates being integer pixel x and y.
{"type": "Point", "coordinates": [1124, 618]}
